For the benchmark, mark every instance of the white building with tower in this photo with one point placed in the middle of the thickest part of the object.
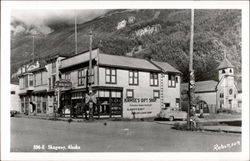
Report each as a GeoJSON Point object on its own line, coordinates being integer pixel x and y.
{"type": "Point", "coordinates": [214, 95]}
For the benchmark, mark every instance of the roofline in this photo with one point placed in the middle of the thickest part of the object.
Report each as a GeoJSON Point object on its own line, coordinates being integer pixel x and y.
{"type": "Point", "coordinates": [224, 68]}
{"type": "Point", "coordinates": [118, 66]}
{"type": "Point", "coordinates": [111, 65]}
{"type": "Point", "coordinates": [54, 57]}
{"type": "Point", "coordinates": [128, 67]}
{"type": "Point", "coordinates": [202, 81]}
{"type": "Point", "coordinates": [206, 91]}
{"type": "Point", "coordinates": [151, 61]}
{"type": "Point", "coordinates": [33, 71]}
{"type": "Point", "coordinates": [83, 52]}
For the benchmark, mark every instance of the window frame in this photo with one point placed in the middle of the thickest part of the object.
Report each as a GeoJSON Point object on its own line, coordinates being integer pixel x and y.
{"type": "Point", "coordinates": [26, 81]}
{"type": "Point", "coordinates": [154, 91]}
{"type": "Point", "coordinates": [67, 76]}
{"type": "Point", "coordinates": [133, 77]}
{"type": "Point", "coordinates": [151, 77]}
{"type": "Point", "coordinates": [53, 81]}
{"type": "Point", "coordinates": [81, 77]}
{"type": "Point", "coordinates": [31, 80]}
{"type": "Point", "coordinates": [90, 75]}
{"type": "Point", "coordinates": [129, 90]}
{"type": "Point", "coordinates": [110, 75]}
{"type": "Point", "coordinates": [171, 77]}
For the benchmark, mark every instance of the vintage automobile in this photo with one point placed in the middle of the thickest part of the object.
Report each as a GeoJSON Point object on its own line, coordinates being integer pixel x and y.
{"type": "Point", "coordinates": [172, 113]}
{"type": "Point", "coordinates": [13, 113]}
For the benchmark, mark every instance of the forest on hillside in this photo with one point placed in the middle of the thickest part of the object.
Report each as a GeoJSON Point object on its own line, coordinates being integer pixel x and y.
{"type": "Point", "coordinates": [159, 34]}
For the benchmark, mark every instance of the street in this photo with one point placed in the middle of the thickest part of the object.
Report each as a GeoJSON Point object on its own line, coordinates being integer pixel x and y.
{"type": "Point", "coordinates": [36, 135]}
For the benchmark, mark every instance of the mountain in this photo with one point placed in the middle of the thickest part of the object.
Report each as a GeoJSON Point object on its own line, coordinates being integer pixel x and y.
{"type": "Point", "coordinates": [162, 35]}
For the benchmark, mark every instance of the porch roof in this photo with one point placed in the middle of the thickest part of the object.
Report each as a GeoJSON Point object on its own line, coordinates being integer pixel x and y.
{"type": "Point", "coordinates": [202, 86]}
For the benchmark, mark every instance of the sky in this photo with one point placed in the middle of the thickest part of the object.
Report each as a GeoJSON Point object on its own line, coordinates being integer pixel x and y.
{"type": "Point", "coordinates": [41, 21]}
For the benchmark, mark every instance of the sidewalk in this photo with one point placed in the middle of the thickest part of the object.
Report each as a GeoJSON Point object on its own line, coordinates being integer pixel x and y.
{"type": "Point", "coordinates": [49, 117]}
{"type": "Point", "coordinates": [214, 128]}
{"type": "Point", "coordinates": [228, 129]}
{"type": "Point", "coordinates": [219, 120]}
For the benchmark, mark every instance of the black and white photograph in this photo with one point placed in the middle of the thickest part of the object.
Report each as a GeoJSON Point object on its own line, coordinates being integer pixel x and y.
{"type": "Point", "coordinates": [120, 78]}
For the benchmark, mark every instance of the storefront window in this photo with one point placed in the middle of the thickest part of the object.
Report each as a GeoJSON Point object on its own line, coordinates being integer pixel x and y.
{"type": "Point", "coordinates": [104, 93]}
{"type": "Point", "coordinates": [116, 94]}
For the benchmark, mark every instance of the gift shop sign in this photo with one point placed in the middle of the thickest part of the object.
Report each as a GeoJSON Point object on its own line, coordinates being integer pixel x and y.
{"type": "Point", "coordinates": [140, 105]}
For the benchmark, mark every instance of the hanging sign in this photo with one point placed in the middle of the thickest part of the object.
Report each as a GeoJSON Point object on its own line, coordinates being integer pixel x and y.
{"type": "Point", "coordinates": [63, 83]}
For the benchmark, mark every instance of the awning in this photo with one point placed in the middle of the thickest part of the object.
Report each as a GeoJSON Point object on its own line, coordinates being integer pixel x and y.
{"type": "Point", "coordinates": [107, 87]}
{"type": "Point", "coordinates": [40, 92]}
{"type": "Point", "coordinates": [22, 94]}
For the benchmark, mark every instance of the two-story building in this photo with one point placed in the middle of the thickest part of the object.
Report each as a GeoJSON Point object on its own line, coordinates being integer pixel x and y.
{"type": "Point", "coordinates": [123, 86]}
{"type": "Point", "coordinates": [36, 82]}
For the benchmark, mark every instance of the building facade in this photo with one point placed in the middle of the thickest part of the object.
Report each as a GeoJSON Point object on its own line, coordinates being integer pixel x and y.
{"type": "Point", "coordinates": [123, 86]}
{"type": "Point", "coordinates": [36, 82]}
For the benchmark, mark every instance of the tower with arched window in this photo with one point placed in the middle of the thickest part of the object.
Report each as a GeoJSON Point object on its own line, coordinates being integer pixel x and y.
{"type": "Point", "coordinates": [227, 90]}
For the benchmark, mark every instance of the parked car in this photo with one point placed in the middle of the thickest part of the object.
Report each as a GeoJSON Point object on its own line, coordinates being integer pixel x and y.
{"type": "Point", "coordinates": [12, 113]}
{"type": "Point", "coordinates": [172, 113]}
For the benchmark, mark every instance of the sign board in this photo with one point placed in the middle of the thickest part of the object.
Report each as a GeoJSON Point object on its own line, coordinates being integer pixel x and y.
{"type": "Point", "coordinates": [63, 83]}
{"type": "Point", "coordinates": [141, 107]}
{"type": "Point", "coordinates": [88, 98]}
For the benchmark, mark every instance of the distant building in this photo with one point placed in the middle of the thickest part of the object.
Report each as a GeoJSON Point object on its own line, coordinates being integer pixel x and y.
{"type": "Point", "coordinates": [215, 95]}
{"type": "Point", "coordinates": [14, 98]}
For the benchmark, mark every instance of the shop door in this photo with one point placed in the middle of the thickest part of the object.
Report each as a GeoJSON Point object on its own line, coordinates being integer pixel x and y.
{"type": "Point", "coordinates": [104, 107]}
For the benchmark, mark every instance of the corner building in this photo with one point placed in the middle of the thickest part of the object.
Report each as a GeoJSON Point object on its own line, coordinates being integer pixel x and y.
{"type": "Point", "coordinates": [37, 86]}
{"type": "Point", "coordinates": [123, 86]}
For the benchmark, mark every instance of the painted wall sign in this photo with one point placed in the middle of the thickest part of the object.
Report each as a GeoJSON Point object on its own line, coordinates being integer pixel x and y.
{"type": "Point", "coordinates": [140, 107]}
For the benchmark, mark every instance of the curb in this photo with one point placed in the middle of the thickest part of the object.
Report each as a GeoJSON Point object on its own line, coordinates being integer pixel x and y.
{"type": "Point", "coordinates": [225, 131]}
{"type": "Point", "coordinates": [211, 130]}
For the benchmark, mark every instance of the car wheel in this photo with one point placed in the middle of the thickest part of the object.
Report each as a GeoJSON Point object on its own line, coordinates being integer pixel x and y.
{"type": "Point", "coordinates": [171, 118]}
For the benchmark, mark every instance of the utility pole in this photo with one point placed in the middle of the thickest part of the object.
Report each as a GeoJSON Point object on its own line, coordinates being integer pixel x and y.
{"type": "Point", "coordinates": [90, 77]}
{"type": "Point", "coordinates": [75, 35]}
{"type": "Point", "coordinates": [33, 49]}
{"type": "Point", "coordinates": [191, 71]}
